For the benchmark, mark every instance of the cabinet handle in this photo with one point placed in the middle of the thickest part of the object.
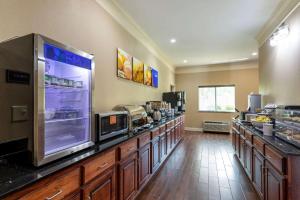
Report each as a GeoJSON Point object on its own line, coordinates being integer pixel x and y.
{"type": "Point", "coordinates": [102, 166]}
{"type": "Point", "coordinates": [55, 195]}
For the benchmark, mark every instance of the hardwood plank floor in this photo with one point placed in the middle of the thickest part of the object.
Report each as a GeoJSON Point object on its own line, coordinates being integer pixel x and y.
{"type": "Point", "coordinates": [203, 166]}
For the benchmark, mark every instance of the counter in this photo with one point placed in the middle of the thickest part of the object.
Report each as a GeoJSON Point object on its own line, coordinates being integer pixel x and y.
{"type": "Point", "coordinates": [15, 174]}
{"type": "Point", "coordinates": [275, 142]}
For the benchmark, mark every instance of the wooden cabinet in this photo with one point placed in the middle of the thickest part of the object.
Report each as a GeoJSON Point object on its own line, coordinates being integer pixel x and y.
{"type": "Point", "coordinates": [115, 174]}
{"type": "Point", "coordinates": [144, 164]}
{"type": "Point", "coordinates": [163, 147]}
{"type": "Point", "coordinates": [128, 177]}
{"type": "Point", "coordinates": [63, 185]}
{"type": "Point", "coordinates": [258, 172]}
{"type": "Point", "coordinates": [95, 166]}
{"type": "Point", "coordinates": [274, 183]}
{"type": "Point", "coordinates": [273, 172]}
{"type": "Point", "coordinates": [155, 154]}
{"type": "Point", "coordinates": [248, 159]}
{"type": "Point", "coordinates": [102, 187]}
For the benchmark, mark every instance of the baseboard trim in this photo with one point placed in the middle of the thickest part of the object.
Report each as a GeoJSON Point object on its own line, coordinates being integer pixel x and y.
{"type": "Point", "coordinates": [193, 129]}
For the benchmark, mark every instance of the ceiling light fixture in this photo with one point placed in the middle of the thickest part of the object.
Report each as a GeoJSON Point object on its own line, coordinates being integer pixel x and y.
{"type": "Point", "coordinates": [279, 35]}
{"type": "Point", "coordinates": [254, 54]}
{"type": "Point", "coordinates": [173, 40]}
{"type": "Point", "coordinates": [185, 61]}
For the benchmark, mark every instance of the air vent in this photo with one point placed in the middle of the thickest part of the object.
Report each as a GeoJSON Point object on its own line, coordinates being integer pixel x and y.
{"type": "Point", "coordinates": [216, 126]}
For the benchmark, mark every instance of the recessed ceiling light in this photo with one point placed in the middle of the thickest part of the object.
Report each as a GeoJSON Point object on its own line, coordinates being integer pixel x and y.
{"type": "Point", "coordinates": [173, 40]}
{"type": "Point", "coordinates": [254, 54]}
{"type": "Point", "coordinates": [185, 61]}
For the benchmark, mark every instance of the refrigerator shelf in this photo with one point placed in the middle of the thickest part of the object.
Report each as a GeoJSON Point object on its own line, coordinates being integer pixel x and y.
{"type": "Point", "coordinates": [62, 87]}
{"type": "Point", "coordinates": [64, 120]}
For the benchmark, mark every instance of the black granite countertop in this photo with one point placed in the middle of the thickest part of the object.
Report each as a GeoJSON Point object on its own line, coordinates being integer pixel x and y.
{"type": "Point", "coordinates": [275, 142]}
{"type": "Point", "coordinates": [16, 174]}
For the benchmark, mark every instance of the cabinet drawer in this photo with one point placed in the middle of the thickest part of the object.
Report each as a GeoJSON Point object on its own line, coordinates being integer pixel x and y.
{"type": "Point", "coordinates": [154, 133]}
{"type": "Point", "coordinates": [128, 148]}
{"type": "Point", "coordinates": [162, 129]}
{"type": "Point", "coordinates": [248, 136]}
{"type": "Point", "coordinates": [56, 188]}
{"type": "Point", "coordinates": [96, 166]}
{"type": "Point", "coordinates": [277, 160]}
{"type": "Point", "coordinates": [258, 144]}
{"type": "Point", "coordinates": [170, 125]}
{"type": "Point", "coordinates": [144, 139]}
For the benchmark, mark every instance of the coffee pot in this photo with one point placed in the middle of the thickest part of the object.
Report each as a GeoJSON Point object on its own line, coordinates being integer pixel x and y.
{"type": "Point", "coordinates": [156, 115]}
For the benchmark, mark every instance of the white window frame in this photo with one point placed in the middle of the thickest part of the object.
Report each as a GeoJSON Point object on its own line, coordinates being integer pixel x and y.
{"type": "Point", "coordinates": [215, 86]}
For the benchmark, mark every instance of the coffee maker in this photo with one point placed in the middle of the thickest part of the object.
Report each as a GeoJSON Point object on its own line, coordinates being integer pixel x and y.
{"type": "Point", "coordinates": [177, 100]}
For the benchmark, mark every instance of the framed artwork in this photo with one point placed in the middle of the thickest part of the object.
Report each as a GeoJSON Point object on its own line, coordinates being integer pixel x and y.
{"type": "Point", "coordinates": [147, 75]}
{"type": "Point", "coordinates": [137, 70]}
{"type": "Point", "coordinates": [154, 78]}
{"type": "Point", "coordinates": [124, 65]}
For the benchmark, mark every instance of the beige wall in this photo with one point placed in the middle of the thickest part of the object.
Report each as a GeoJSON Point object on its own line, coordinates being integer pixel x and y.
{"type": "Point", "coordinates": [279, 67]}
{"type": "Point", "coordinates": [245, 80]}
{"type": "Point", "coordinates": [85, 25]}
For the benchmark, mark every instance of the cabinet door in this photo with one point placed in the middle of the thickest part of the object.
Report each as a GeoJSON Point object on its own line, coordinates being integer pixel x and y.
{"type": "Point", "coordinates": [175, 134]}
{"type": "Point", "coordinates": [144, 164]}
{"type": "Point", "coordinates": [258, 175]}
{"type": "Point", "coordinates": [169, 141]}
{"type": "Point", "coordinates": [128, 177]}
{"type": "Point", "coordinates": [163, 147]}
{"type": "Point", "coordinates": [248, 160]}
{"type": "Point", "coordinates": [155, 154]}
{"type": "Point", "coordinates": [275, 184]}
{"type": "Point", "coordinates": [242, 151]}
{"type": "Point", "coordinates": [237, 144]}
{"type": "Point", "coordinates": [102, 187]}
{"type": "Point", "coordinates": [233, 139]}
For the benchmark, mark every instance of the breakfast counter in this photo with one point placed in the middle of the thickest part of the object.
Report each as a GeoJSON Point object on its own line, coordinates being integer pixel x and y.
{"type": "Point", "coordinates": [275, 142]}
{"type": "Point", "coordinates": [15, 175]}
{"type": "Point", "coordinates": [270, 163]}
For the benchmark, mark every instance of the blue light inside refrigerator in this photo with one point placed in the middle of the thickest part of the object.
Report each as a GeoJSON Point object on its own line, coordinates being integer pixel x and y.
{"type": "Point", "coordinates": [67, 99]}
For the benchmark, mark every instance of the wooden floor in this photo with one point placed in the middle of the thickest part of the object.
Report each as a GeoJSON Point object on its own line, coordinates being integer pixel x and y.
{"type": "Point", "coordinates": [201, 167]}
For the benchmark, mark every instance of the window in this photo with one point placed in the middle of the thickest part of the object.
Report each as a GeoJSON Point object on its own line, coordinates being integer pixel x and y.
{"type": "Point", "coordinates": [217, 98]}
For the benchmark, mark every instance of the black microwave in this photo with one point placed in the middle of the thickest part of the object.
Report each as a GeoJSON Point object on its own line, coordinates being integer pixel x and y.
{"type": "Point", "coordinates": [111, 124]}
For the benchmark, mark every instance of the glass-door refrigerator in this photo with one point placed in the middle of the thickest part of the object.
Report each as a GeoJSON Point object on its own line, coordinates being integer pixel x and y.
{"type": "Point", "coordinates": [50, 96]}
{"type": "Point", "coordinates": [64, 99]}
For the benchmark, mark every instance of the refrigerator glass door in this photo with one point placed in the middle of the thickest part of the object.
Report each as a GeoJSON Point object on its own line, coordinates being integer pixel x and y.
{"type": "Point", "coordinates": [65, 122]}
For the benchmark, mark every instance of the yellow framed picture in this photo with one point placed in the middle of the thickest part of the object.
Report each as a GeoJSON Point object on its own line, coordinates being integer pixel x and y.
{"type": "Point", "coordinates": [147, 75]}
{"type": "Point", "coordinates": [124, 65]}
{"type": "Point", "coordinates": [137, 70]}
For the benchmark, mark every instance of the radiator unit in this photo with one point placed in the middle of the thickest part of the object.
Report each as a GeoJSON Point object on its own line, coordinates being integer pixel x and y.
{"type": "Point", "coordinates": [216, 126]}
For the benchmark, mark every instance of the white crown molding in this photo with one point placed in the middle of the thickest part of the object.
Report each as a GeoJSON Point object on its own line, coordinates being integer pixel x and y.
{"type": "Point", "coordinates": [283, 10]}
{"type": "Point", "coordinates": [134, 29]}
{"type": "Point", "coordinates": [219, 67]}
{"type": "Point", "coordinates": [193, 129]}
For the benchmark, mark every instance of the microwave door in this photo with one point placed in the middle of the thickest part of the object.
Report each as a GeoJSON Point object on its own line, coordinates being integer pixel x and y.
{"type": "Point", "coordinates": [63, 101]}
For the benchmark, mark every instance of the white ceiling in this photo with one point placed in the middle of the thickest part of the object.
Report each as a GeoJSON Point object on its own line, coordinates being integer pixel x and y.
{"type": "Point", "coordinates": [207, 31]}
